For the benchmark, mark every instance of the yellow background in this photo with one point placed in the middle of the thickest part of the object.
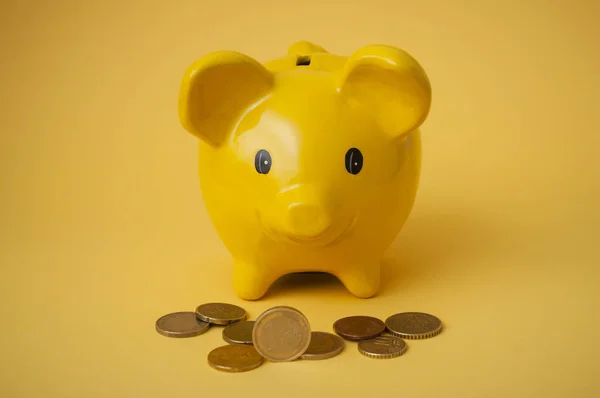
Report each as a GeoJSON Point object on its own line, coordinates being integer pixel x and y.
{"type": "Point", "coordinates": [103, 228]}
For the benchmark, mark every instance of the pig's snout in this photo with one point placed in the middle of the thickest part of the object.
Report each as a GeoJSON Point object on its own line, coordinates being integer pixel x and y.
{"type": "Point", "coordinates": [306, 214]}
{"type": "Point", "coordinates": [305, 220]}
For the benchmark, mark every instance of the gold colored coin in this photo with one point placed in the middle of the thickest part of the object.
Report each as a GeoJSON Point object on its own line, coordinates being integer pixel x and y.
{"type": "Point", "coordinates": [220, 313]}
{"type": "Point", "coordinates": [235, 358]}
{"type": "Point", "coordinates": [413, 325]}
{"type": "Point", "coordinates": [239, 332]}
{"type": "Point", "coordinates": [281, 334]}
{"type": "Point", "coordinates": [382, 347]}
{"type": "Point", "coordinates": [181, 324]}
{"type": "Point", "coordinates": [323, 345]}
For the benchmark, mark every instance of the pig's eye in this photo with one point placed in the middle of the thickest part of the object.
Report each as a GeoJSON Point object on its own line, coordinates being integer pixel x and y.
{"type": "Point", "coordinates": [354, 161]}
{"type": "Point", "coordinates": [262, 161]}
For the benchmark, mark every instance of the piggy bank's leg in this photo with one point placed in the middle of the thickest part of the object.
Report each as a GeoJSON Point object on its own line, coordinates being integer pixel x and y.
{"type": "Point", "coordinates": [251, 280]}
{"type": "Point", "coordinates": [361, 280]}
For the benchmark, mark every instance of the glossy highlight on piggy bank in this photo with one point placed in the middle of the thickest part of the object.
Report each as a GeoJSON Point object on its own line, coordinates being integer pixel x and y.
{"type": "Point", "coordinates": [309, 162]}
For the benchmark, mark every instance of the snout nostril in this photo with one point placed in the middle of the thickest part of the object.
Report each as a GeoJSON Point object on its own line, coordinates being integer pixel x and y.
{"type": "Point", "coordinates": [303, 60]}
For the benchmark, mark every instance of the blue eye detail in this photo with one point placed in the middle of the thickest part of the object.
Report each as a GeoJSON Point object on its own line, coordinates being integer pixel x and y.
{"type": "Point", "coordinates": [354, 161]}
{"type": "Point", "coordinates": [262, 161]}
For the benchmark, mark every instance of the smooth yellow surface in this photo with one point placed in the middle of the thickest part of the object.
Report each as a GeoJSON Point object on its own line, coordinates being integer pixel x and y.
{"type": "Point", "coordinates": [103, 227]}
{"type": "Point", "coordinates": [307, 212]}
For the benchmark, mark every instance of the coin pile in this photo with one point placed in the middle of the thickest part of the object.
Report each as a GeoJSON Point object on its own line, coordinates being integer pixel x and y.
{"type": "Point", "coordinates": [283, 334]}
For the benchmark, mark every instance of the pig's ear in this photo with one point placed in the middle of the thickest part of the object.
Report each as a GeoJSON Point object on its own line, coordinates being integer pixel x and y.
{"type": "Point", "coordinates": [217, 89]}
{"type": "Point", "coordinates": [390, 84]}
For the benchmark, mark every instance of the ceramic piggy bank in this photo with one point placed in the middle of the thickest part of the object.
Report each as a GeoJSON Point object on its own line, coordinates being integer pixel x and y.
{"type": "Point", "coordinates": [309, 162]}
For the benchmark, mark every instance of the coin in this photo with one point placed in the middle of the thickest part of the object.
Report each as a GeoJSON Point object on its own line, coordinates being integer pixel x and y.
{"type": "Point", "coordinates": [359, 327]}
{"type": "Point", "coordinates": [382, 347]}
{"type": "Point", "coordinates": [181, 324]}
{"type": "Point", "coordinates": [235, 358]}
{"type": "Point", "coordinates": [239, 332]}
{"type": "Point", "coordinates": [281, 334]}
{"type": "Point", "coordinates": [413, 325]}
{"type": "Point", "coordinates": [220, 313]}
{"type": "Point", "coordinates": [323, 345]}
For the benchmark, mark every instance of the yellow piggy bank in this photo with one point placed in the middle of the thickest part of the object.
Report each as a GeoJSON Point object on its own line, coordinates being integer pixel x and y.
{"type": "Point", "coordinates": [309, 162]}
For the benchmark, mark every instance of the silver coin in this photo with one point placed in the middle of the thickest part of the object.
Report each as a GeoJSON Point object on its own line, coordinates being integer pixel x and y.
{"type": "Point", "coordinates": [220, 313]}
{"type": "Point", "coordinates": [413, 325]}
{"type": "Point", "coordinates": [382, 347]}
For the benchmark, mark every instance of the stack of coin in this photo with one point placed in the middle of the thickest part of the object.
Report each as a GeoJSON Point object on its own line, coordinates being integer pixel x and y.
{"type": "Point", "coordinates": [239, 355]}
{"type": "Point", "coordinates": [283, 334]}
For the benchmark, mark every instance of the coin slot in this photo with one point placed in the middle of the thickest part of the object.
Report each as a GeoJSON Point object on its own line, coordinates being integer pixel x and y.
{"type": "Point", "coordinates": [303, 60]}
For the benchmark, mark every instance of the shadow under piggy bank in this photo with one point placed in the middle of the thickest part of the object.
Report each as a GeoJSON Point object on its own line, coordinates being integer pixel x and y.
{"type": "Point", "coordinates": [427, 250]}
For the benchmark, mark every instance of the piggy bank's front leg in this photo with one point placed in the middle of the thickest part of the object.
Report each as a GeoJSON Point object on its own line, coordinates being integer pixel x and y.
{"type": "Point", "coordinates": [251, 280]}
{"type": "Point", "coordinates": [362, 280]}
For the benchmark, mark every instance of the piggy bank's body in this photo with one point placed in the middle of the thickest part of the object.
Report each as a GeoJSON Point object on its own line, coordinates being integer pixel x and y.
{"type": "Point", "coordinates": [310, 162]}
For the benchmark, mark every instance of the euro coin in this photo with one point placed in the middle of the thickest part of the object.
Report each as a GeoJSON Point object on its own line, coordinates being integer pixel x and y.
{"type": "Point", "coordinates": [382, 347]}
{"type": "Point", "coordinates": [220, 313]}
{"type": "Point", "coordinates": [281, 334]}
{"type": "Point", "coordinates": [323, 345]}
{"type": "Point", "coordinates": [359, 327]}
{"type": "Point", "coordinates": [181, 324]}
{"type": "Point", "coordinates": [239, 332]}
{"type": "Point", "coordinates": [413, 325]}
{"type": "Point", "coordinates": [235, 358]}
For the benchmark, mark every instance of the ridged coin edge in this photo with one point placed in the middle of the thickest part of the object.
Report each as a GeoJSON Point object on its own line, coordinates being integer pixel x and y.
{"type": "Point", "coordinates": [383, 356]}
{"type": "Point", "coordinates": [419, 336]}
